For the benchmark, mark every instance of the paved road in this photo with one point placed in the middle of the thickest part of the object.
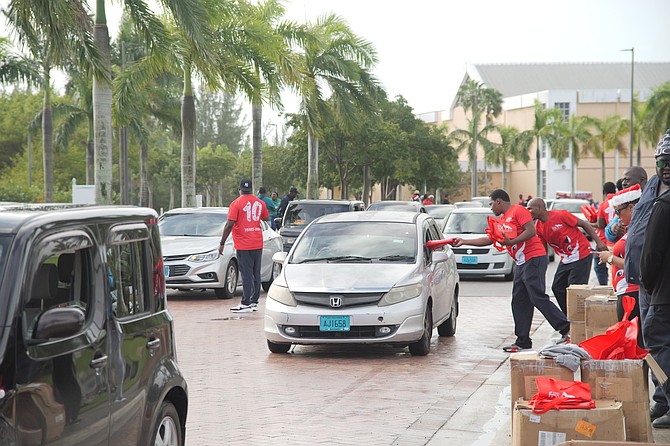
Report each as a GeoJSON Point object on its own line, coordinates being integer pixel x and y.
{"type": "Point", "coordinates": [242, 394]}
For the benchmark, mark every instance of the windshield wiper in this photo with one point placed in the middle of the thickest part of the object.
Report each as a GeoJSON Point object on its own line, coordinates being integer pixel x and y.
{"type": "Point", "coordinates": [397, 258]}
{"type": "Point", "coordinates": [337, 259]}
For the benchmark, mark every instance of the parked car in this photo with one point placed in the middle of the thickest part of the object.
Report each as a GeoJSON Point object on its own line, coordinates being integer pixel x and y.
{"type": "Point", "coordinates": [300, 213]}
{"type": "Point", "coordinates": [572, 205]}
{"type": "Point", "coordinates": [395, 205]}
{"type": "Point", "coordinates": [484, 200]}
{"type": "Point", "coordinates": [469, 204]}
{"type": "Point", "coordinates": [440, 212]}
{"type": "Point", "coordinates": [87, 348]}
{"type": "Point", "coordinates": [364, 277]}
{"type": "Point", "coordinates": [191, 237]}
{"type": "Point", "coordinates": [476, 261]}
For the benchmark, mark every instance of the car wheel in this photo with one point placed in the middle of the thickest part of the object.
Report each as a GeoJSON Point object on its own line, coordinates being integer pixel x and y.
{"type": "Point", "coordinates": [167, 431]}
{"type": "Point", "coordinates": [422, 346]}
{"type": "Point", "coordinates": [278, 348]}
{"type": "Point", "coordinates": [276, 269]}
{"type": "Point", "coordinates": [448, 327]}
{"type": "Point", "coordinates": [230, 285]}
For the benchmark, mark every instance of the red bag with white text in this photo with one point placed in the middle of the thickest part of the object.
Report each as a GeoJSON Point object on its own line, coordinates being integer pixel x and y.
{"type": "Point", "coordinates": [556, 394]}
{"type": "Point", "coordinates": [494, 233]}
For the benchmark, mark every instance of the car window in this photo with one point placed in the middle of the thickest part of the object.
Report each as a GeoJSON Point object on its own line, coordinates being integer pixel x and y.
{"type": "Point", "coordinates": [200, 224]}
{"type": "Point", "coordinates": [439, 211]}
{"type": "Point", "coordinates": [302, 214]}
{"type": "Point", "coordinates": [5, 240]}
{"type": "Point", "coordinates": [126, 274]}
{"type": "Point", "coordinates": [375, 241]}
{"type": "Point", "coordinates": [570, 206]}
{"type": "Point", "coordinates": [466, 223]}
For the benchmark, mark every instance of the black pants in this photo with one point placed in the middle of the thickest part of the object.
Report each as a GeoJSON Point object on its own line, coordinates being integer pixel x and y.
{"type": "Point", "coordinates": [575, 273]}
{"type": "Point", "coordinates": [528, 293]}
{"type": "Point", "coordinates": [656, 328]}
{"type": "Point", "coordinates": [250, 270]}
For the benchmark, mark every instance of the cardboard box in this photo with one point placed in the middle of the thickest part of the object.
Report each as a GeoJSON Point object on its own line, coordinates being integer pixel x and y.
{"type": "Point", "coordinates": [600, 314]}
{"type": "Point", "coordinates": [576, 296]}
{"type": "Point", "coordinates": [626, 381]}
{"type": "Point", "coordinates": [603, 443]}
{"type": "Point", "coordinates": [577, 332]}
{"type": "Point", "coordinates": [656, 369]}
{"type": "Point", "coordinates": [604, 423]}
{"type": "Point", "coordinates": [526, 366]}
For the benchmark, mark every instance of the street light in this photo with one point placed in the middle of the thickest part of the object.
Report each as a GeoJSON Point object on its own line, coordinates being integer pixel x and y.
{"type": "Point", "coordinates": [632, 77]}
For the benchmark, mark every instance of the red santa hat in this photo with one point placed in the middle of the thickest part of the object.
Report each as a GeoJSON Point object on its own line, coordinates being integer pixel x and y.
{"type": "Point", "coordinates": [627, 195]}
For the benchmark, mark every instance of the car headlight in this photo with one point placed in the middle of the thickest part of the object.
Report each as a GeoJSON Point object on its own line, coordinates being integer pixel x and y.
{"type": "Point", "coordinates": [206, 257]}
{"type": "Point", "coordinates": [282, 295]}
{"type": "Point", "coordinates": [401, 293]}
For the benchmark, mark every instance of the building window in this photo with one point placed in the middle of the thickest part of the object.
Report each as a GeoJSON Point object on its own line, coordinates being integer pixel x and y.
{"type": "Point", "coordinates": [564, 107]}
{"type": "Point", "coordinates": [543, 183]}
{"type": "Point", "coordinates": [544, 148]}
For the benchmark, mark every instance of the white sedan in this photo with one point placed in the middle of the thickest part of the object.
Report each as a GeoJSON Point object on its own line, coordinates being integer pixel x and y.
{"type": "Point", "coordinates": [364, 277]}
{"type": "Point", "coordinates": [190, 240]}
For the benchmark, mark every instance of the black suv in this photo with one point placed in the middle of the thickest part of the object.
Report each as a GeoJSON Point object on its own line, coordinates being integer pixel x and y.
{"type": "Point", "coordinates": [300, 213]}
{"type": "Point", "coordinates": [87, 350]}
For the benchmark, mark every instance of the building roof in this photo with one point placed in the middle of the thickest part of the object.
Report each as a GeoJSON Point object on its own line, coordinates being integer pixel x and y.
{"type": "Point", "coordinates": [517, 79]}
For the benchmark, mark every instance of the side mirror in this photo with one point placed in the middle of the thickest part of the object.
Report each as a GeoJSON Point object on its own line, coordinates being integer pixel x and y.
{"type": "Point", "coordinates": [279, 257]}
{"type": "Point", "coordinates": [59, 323]}
{"type": "Point", "coordinates": [438, 256]}
{"type": "Point", "coordinates": [278, 222]}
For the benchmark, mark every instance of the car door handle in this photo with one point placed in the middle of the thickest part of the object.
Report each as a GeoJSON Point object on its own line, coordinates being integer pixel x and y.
{"type": "Point", "coordinates": [153, 344]}
{"type": "Point", "coordinates": [99, 362]}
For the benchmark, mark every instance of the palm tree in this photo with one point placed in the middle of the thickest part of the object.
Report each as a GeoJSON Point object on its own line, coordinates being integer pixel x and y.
{"type": "Point", "coordinates": [657, 113]}
{"type": "Point", "coordinates": [575, 134]}
{"type": "Point", "coordinates": [544, 130]}
{"type": "Point", "coordinates": [477, 99]}
{"type": "Point", "coordinates": [334, 59]}
{"type": "Point", "coordinates": [511, 148]}
{"type": "Point", "coordinates": [607, 136]}
{"type": "Point", "coordinates": [466, 139]}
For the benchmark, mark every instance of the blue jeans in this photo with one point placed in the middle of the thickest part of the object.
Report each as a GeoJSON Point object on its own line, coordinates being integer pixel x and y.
{"type": "Point", "coordinates": [250, 269]}
{"type": "Point", "coordinates": [600, 270]}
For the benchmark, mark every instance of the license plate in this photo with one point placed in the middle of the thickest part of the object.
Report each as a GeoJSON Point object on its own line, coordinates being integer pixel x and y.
{"type": "Point", "coordinates": [469, 260]}
{"type": "Point", "coordinates": [334, 323]}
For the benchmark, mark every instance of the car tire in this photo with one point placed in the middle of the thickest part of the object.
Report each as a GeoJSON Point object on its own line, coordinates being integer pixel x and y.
{"type": "Point", "coordinates": [276, 269]}
{"type": "Point", "coordinates": [448, 327]}
{"type": "Point", "coordinates": [422, 346]}
{"type": "Point", "coordinates": [278, 348]}
{"type": "Point", "coordinates": [230, 284]}
{"type": "Point", "coordinates": [167, 430]}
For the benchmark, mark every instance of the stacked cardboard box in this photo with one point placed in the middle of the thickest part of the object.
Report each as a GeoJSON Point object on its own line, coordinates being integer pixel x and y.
{"type": "Point", "coordinates": [624, 381]}
{"type": "Point", "coordinates": [526, 366]}
{"type": "Point", "coordinates": [604, 423]}
{"type": "Point", "coordinates": [577, 294]}
{"type": "Point", "coordinates": [600, 314]}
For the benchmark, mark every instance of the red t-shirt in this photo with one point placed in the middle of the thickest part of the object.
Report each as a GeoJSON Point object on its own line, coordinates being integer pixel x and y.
{"type": "Point", "coordinates": [561, 232]}
{"type": "Point", "coordinates": [619, 283]}
{"type": "Point", "coordinates": [607, 212]}
{"type": "Point", "coordinates": [511, 224]}
{"type": "Point", "coordinates": [247, 211]}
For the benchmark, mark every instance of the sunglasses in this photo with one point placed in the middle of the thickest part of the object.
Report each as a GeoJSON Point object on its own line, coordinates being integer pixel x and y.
{"type": "Point", "coordinates": [621, 209]}
{"type": "Point", "coordinates": [661, 164]}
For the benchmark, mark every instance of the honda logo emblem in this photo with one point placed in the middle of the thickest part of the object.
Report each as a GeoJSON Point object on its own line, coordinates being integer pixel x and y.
{"type": "Point", "coordinates": [335, 301]}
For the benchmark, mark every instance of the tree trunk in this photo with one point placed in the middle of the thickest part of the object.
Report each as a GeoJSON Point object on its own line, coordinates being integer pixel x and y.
{"type": "Point", "coordinates": [102, 114]}
{"type": "Point", "coordinates": [312, 166]}
{"type": "Point", "coordinates": [123, 166]}
{"type": "Point", "coordinates": [504, 174]}
{"type": "Point", "coordinates": [473, 154]}
{"type": "Point", "coordinates": [366, 185]}
{"type": "Point", "coordinates": [90, 151]}
{"type": "Point", "coordinates": [144, 174]}
{"type": "Point", "coordinates": [47, 140]}
{"type": "Point", "coordinates": [187, 143]}
{"type": "Point", "coordinates": [537, 167]}
{"type": "Point", "coordinates": [257, 144]}
{"type": "Point", "coordinates": [171, 205]}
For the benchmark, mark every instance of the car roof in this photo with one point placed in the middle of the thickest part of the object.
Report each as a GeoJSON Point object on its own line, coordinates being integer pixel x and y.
{"type": "Point", "coordinates": [373, 216]}
{"type": "Point", "coordinates": [222, 210]}
{"type": "Point", "coordinates": [325, 201]}
{"type": "Point", "coordinates": [472, 210]}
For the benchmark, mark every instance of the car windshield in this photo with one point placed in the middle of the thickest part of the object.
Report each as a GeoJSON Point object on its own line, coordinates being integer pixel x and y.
{"type": "Point", "coordinates": [467, 223]}
{"type": "Point", "coordinates": [360, 241]}
{"type": "Point", "coordinates": [302, 214]}
{"type": "Point", "coordinates": [5, 240]}
{"type": "Point", "coordinates": [570, 206]}
{"type": "Point", "coordinates": [393, 206]}
{"type": "Point", "coordinates": [200, 224]}
{"type": "Point", "coordinates": [439, 211]}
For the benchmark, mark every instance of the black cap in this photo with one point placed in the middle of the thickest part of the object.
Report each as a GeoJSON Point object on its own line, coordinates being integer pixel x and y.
{"type": "Point", "coordinates": [245, 185]}
{"type": "Point", "coordinates": [293, 190]}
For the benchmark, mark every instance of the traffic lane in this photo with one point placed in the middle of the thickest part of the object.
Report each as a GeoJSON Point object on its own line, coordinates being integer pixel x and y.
{"type": "Point", "coordinates": [240, 392]}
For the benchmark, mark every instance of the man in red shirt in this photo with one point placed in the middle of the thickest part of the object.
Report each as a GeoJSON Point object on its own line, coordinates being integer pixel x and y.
{"type": "Point", "coordinates": [560, 230]}
{"type": "Point", "coordinates": [604, 217]}
{"type": "Point", "coordinates": [244, 221]}
{"type": "Point", "coordinates": [528, 289]}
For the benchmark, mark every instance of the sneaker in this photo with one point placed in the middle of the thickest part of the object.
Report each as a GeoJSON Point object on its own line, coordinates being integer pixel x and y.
{"type": "Point", "coordinates": [241, 308]}
{"type": "Point", "coordinates": [515, 348]}
{"type": "Point", "coordinates": [662, 422]}
{"type": "Point", "coordinates": [254, 307]}
{"type": "Point", "coordinates": [564, 339]}
{"type": "Point", "coordinates": [657, 411]}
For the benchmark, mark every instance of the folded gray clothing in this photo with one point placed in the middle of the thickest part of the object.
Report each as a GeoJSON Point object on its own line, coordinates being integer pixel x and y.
{"type": "Point", "coordinates": [567, 355]}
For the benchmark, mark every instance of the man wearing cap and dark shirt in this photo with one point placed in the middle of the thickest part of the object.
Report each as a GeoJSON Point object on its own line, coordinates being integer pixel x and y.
{"type": "Point", "coordinates": [650, 227]}
{"type": "Point", "coordinates": [244, 221]}
{"type": "Point", "coordinates": [292, 194]}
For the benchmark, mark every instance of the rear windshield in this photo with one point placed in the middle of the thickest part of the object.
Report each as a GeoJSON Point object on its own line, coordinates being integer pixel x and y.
{"type": "Point", "coordinates": [199, 224]}
{"type": "Point", "coordinates": [303, 214]}
{"type": "Point", "coordinates": [5, 240]}
{"type": "Point", "coordinates": [465, 223]}
{"type": "Point", "coordinates": [570, 206]}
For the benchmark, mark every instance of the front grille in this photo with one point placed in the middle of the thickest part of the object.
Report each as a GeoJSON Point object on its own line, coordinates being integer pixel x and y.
{"type": "Point", "coordinates": [348, 300]}
{"type": "Point", "coordinates": [355, 332]}
{"type": "Point", "coordinates": [498, 265]}
{"type": "Point", "coordinates": [478, 266]}
{"type": "Point", "coordinates": [473, 251]}
{"type": "Point", "coordinates": [175, 258]}
{"type": "Point", "coordinates": [179, 270]}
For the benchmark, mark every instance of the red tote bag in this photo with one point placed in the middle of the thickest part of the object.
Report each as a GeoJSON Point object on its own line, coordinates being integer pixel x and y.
{"type": "Point", "coordinates": [556, 394]}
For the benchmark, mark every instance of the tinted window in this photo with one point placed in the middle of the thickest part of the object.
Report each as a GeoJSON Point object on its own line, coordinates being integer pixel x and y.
{"type": "Point", "coordinates": [5, 240]}
{"type": "Point", "coordinates": [439, 211]}
{"type": "Point", "coordinates": [126, 273]}
{"type": "Point", "coordinates": [302, 214]}
{"type": "Point", "coordinates": [466, 223]}
{"type": "Point", "coordinates": [199, 224]}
